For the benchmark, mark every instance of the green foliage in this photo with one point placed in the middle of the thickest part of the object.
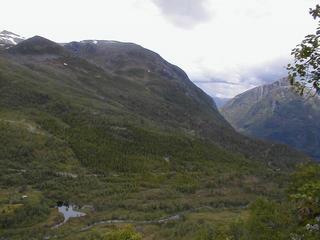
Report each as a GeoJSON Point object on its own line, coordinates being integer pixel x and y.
{"type": "Point", "coordinates": [305, 192]}
{"type": "Point", "coordinates": [206, 233]}
{"type": "Point", "coordinates": [296, 217]}
{"type": "Point", "coordinates": [125, 233]}
{"type": "Point", "coordinates": [237, 230]}
{"type": "Point", "coordinates": [31, 212]}
{"type": "Point", "coordinates": [269, 220]}
{"type": "Point", "coordinates": [186, 183]}
{"type": "Point", "coordinates": [305, 72]}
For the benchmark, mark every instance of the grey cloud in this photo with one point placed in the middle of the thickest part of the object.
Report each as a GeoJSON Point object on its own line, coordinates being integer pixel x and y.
{"type": "Point", "coordinates": [224, 85]}
{"type": "Point", "coordinates": [265, 74]}
{"type": "Point", "coordinates": [184, 13]}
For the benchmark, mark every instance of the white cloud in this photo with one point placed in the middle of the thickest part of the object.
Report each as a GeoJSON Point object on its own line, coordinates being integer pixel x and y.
{"type": "Point", "coordinates": [225, 40]}
{"type": "Point", "coordinates": [184, 13]}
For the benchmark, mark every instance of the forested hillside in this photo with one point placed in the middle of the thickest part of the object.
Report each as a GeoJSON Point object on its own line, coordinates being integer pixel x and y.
{"type": "Point", "coordinates": [117, 131]}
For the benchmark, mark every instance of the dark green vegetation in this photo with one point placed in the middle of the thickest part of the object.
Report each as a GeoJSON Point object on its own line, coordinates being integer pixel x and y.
{"type": "Point", "coordinates": [117, 130]}
{"type": "Point", "coordinates": [276, 112]}
{"type": "Point", "coordinates": [298, 217]}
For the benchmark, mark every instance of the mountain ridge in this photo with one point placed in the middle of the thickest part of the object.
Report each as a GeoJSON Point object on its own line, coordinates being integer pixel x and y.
{"type": "Point", "coordinates": [8, 39]}
{"type": "Point", "coordinates": [276, 112]}
{"type": "Point", "coordinates": [125, 134]}
{"type": "Point", "coordinates": [177, 101]}
{"type": "Point", "coordinates": [37, 45]}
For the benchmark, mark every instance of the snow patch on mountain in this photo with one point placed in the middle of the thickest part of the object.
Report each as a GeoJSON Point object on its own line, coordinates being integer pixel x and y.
{"type": "Point", "coordinates": [8, 38]}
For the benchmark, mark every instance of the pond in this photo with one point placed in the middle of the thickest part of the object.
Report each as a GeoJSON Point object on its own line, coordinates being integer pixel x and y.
{"type": "Point", "coordinates": [68, 212]}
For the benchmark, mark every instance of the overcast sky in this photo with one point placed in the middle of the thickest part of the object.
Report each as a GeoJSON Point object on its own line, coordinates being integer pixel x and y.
{"type": "Point", "coordinates": [225, 46]}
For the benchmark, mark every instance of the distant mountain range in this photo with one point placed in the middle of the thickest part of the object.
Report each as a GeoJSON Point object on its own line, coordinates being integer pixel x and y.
{"type": "Point", "coordinates": [276, 112]}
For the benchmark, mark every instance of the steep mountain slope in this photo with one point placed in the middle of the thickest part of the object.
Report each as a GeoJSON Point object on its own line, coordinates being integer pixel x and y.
{"type": "Point", "coordinates": [148, 70]}
{"type": "Point", "coordinates": [275, 112]}
{"type": "Point", "coordinates": [185, 105]}
{"type": "Point", "coordinates": [117, 128]}
{"type": "Point", "coordinates": [60, 90]}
